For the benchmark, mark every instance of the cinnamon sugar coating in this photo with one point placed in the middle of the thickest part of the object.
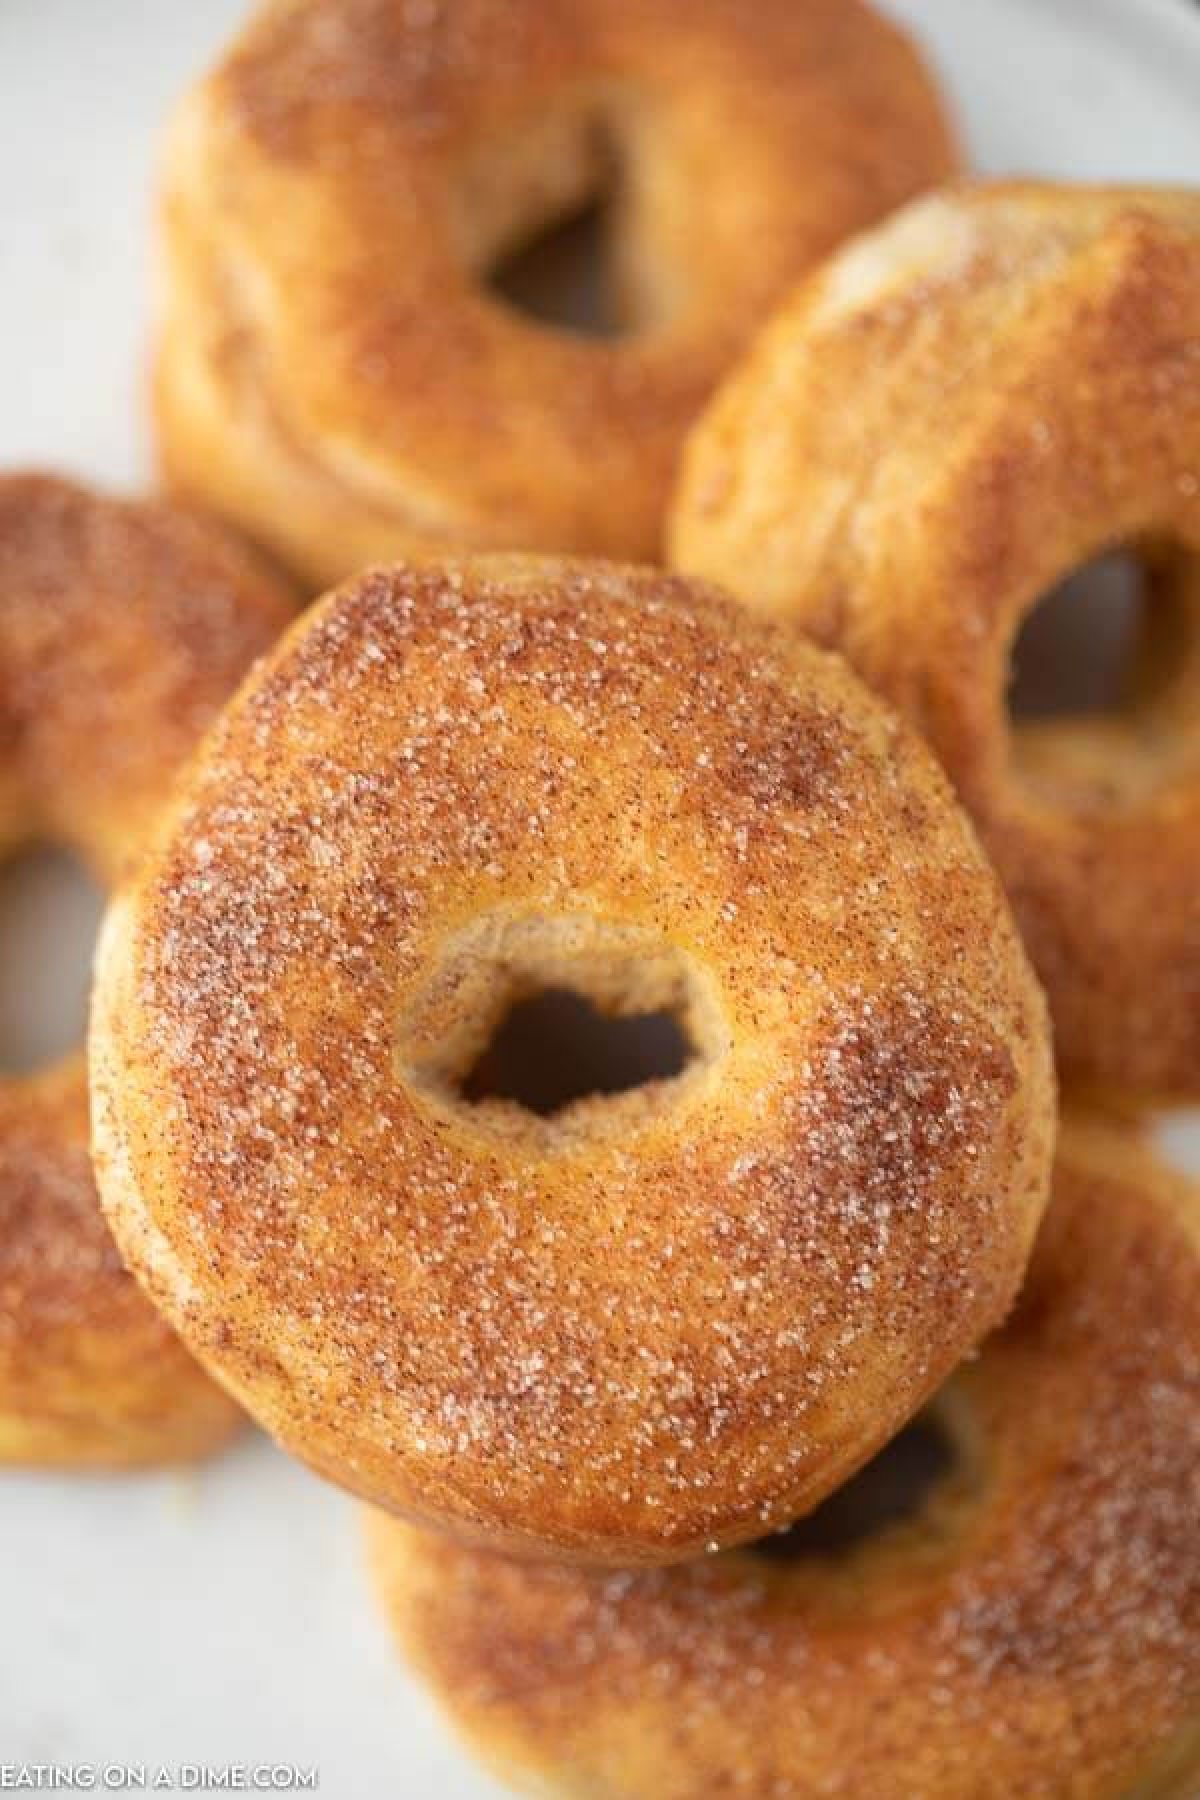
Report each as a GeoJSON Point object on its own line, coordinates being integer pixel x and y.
{"type": "Point", "coordinates": [959, 410]}
{"type": "Point", "coordinates": [335, 371]}
{"type": "Point", "coordinates": [1033, 1630]}
{"type": "Point", "coordinates": [654, 1320]}
{"type": "Point", "coordinates": [122, 628]}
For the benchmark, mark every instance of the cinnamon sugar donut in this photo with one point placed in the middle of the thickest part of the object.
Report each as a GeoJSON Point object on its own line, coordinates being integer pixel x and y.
{"type": "Point", "coordinates": [960, 409]}
{"type": "Point", "coordinates": [643, 1321]}
{"type": "Point", "coordinates": [1033, 1628]}
{"type": "Point", "coordinates": [122, 627]}
{"type": "Point", "coordinates": [335, 371]}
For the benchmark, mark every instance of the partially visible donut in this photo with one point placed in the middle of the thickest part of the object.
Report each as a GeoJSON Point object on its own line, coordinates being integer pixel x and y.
{"type": "Point", "coordinates": [334, 370]}
{"type": "Point", "coordinates": [123, 626]}
{"type": "Point", "coordinates": [1033, 1629]}
{"type": "Point", "coordinates": [957, 411]}
{"type": "Point", "coordinates": [652, 1320]}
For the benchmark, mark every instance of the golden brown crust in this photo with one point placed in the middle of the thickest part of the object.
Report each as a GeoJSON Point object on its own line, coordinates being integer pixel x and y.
{"type": "Point", "coordinates": [122, 628]}
{"type": "Point", "coordinates": [657, 1319]}
{"type": "Point", "coordinates": [334, 371]}
{"type": "Point", "coordinates": [1035, 1632]}
{"type": "Point", "coordinates": [959, 409]}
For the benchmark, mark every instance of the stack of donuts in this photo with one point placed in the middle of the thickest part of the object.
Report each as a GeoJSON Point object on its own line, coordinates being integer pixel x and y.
{"type": "Point", "coordinates": [614, 1043]}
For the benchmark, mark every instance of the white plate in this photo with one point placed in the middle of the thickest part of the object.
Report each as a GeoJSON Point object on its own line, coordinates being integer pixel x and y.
{"type": "Point", "coordinates": [224, 1617]}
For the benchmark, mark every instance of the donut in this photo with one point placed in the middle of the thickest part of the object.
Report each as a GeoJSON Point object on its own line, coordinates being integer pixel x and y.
{"type": "Point", "coordinates": [336, 371]}
{"type": "Point", "coordinates": [123, 625]}
{"type": "Point", "coordinates": [957, 412]}
{"type": "Point", "coordinates": [1031, 1627]}
{"type": "Point", "coordinates": [620, 1322]}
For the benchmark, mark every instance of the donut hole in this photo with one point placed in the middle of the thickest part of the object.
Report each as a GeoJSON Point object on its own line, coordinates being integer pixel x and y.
{"type": "Point", "coordinates": [562, 1024]}
{"type": "Point", "coordinates": [891, 1489]}
{"type": "Point", "coordinates": [1176, 1137]}
{"type": "Point", "coordinates": [1081, 646]}
{"type": "Point", "coordinates": [1099, 674]}
{"type": "Point", "coordinates": [542, 214]}
{"type": "Point", "coordinates": [557, 1046]}
{"type": "Point", "coordinates": [50, 912]}
{"type": "Point", "coordinates": [563, 276]}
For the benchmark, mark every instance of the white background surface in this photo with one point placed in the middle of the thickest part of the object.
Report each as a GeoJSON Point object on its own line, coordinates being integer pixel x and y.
{"type": "Point", "coordinates": [224, 1616]}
